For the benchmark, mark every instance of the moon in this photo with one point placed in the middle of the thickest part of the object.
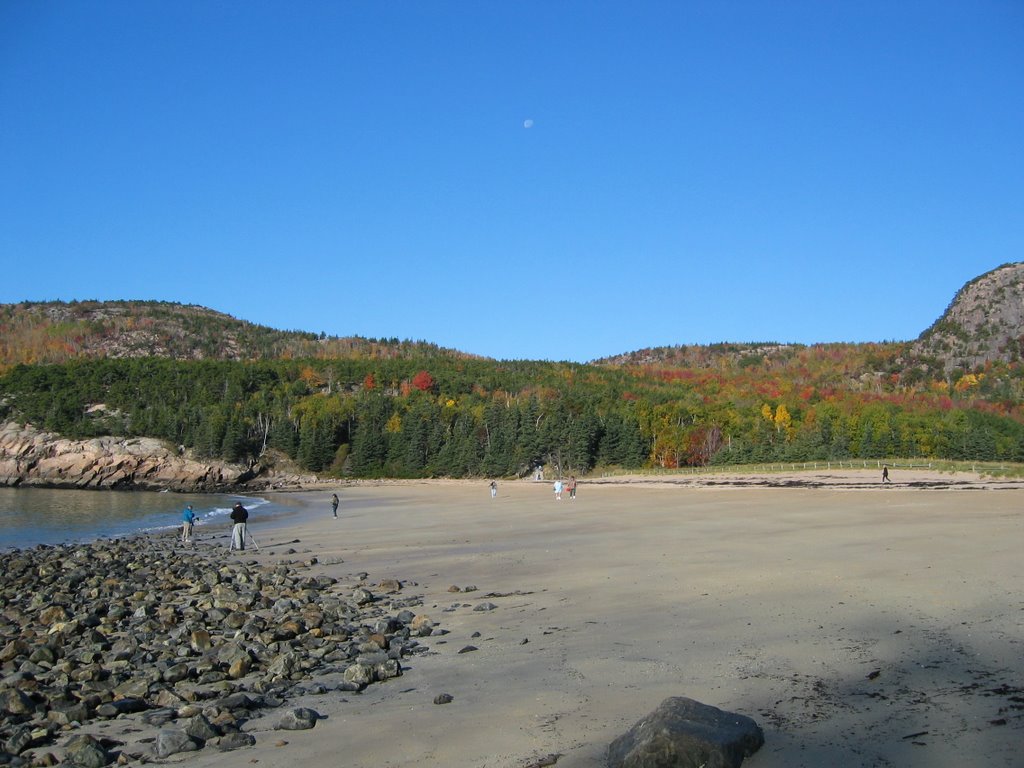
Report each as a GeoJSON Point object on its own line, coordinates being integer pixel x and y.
{"type": "Point", "coordinates": [528, 123]}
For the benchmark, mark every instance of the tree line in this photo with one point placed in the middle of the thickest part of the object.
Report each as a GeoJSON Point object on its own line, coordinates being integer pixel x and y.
{"type": "Point", "coordinates": [428, 417]}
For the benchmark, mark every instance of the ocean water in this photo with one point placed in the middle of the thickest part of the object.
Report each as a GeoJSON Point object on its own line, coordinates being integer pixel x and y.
{"type": "Point", "coordinates": [31, 516]}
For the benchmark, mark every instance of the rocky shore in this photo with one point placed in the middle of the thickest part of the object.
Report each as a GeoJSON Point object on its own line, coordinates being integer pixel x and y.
{"type": "Point", "coordinates": [30, 457]}
{"type": "Point", "coordinates": [184, 642]}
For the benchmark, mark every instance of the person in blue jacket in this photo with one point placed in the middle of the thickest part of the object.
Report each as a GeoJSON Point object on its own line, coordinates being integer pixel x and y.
{"type": "Point", "coordinates": [188, 518]}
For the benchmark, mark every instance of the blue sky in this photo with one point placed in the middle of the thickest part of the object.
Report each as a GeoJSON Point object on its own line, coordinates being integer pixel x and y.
{"type": "Point", "coordinates": [558, 180]}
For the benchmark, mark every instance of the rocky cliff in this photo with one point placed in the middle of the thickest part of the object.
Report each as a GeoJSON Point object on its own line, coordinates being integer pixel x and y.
{"type": "Point", "coordinates": [29, 457]}
{"type": "Point", "coordinates": [984, 323]}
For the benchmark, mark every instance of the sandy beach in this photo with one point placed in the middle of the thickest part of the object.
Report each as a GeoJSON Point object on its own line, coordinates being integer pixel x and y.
{"type": "Point", "coordinates": [858, 624]}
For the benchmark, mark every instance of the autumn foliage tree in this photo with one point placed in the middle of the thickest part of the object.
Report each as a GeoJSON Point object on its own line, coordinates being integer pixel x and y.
{"type": "Point", "coordinates": [423, 381]}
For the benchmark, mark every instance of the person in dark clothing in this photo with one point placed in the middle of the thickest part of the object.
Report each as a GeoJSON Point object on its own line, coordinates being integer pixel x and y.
{"type": "Point", "coordinates": [239, 516]}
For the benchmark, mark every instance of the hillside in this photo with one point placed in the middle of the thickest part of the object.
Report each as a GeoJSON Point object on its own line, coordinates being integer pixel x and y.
{"type": "Point", "coordinates": [984, 323]}
{"type": "Point", "coordinates": [55, 332]}
{"type": "Point", "coordinates": [216, 388]}
{"type": "Point", "coordinates": [853, 359]}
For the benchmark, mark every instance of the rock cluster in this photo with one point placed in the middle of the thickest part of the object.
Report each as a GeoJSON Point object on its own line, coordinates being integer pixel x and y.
{"type": "Point", "coordinates": [185, 642]}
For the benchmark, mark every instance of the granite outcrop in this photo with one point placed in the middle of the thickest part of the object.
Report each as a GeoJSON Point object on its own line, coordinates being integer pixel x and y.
{"type": "Point", "coordinates": [31, 457]}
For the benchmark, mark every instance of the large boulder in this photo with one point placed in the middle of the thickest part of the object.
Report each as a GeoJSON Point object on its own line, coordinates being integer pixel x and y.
{"type": "Point", "coordinates": [683, 733]}
{"type": "Point", "coordinates": [85, 751]}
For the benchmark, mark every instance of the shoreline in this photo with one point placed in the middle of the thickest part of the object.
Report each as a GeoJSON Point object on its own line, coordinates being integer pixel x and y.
{"type": "Point", "coordinates": [861, 479]}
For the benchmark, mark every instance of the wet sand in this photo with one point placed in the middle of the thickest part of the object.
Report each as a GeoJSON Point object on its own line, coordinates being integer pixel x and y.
{"type": "Point", "coordinates": [859, 625]}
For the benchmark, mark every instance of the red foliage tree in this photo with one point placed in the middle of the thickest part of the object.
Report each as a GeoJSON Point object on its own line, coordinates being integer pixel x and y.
{"type": "Point", "coordinates": [423, 381]}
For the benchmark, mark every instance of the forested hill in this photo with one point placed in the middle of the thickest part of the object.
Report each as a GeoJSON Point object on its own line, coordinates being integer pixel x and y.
{"type": "Point", "coordinates": [226, 389]}
{"type": "Point", "coordinates": [55, 332]}
{"type": "Point", "coordinates": [983, 325]}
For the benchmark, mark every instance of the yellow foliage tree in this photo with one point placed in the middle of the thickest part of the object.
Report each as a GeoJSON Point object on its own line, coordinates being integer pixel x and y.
{"type": "Point", "coordinates": [968, 381]}
{"type": "Point", "coordinates": [783, 421]}
{"type": "Point", "coordinates": [311, 377]}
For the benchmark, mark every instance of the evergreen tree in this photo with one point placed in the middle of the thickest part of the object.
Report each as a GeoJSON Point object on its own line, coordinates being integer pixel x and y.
{"type": "Point", "coordinates": [369, 440]}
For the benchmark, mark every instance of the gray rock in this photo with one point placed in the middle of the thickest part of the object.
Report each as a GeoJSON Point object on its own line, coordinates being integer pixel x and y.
{"type": "Point", "coordinates": [175, 673]}
{"type": "Point", "coordinates": [19, 740]}
{"type": "Point", "coordinates": [444, 698]}
{"type": "Point", "coordinates": [158, 717]}
{"type": "Point", "coordinates": [229, 653]}
{"type": "Point", "coordinates": [14, 649]}
{"type": "Point", "coordinates": [235, 740]}
{"type": "Point", "coordinates": [362, 596]}
{"type": "Point", "coordinates": [360, 674]}
{"type": "Point", "coordinates": [298, 719]}
{"type": "Point", "coordinates": [171, 741]}
{"type": "Point", "coordinates": [78, 712]}
{"type": "Point", "coordinates": [15, 702]}
{"type": "Point", "coordinates": [388, 669]}
{"type": "Point", "coordinates": [84, 751]}
{"type": "Point", "coordinates": [239, 701]}
{"type": "Point", "coordinates": [200, 729]}
{"type": "Point", "coordinates": [121, 707]}
{"type": "Point", "coordinates": [285, 665]}
{"type": "Point", "coordinates": [683, 733]}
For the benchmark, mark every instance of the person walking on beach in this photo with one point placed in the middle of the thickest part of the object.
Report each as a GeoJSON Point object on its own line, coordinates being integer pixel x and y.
{"type": "Point", "coordinates": [494, 488]}
{"type": "Point", "coordinates": [239, 516]}
{"type": "Point", "coordinates": [558, 489]}
{"type": "Point", "coordinates": [885, 474]}
{"type": "Point", "coordinates": [334, 504]}
{"type": "Point", "coordinates": [571, 487]}
{"type": "Point", "coordinates": [188, 518]}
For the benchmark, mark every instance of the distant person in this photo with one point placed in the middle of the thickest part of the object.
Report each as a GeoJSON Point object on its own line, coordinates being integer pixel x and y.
{"type": "Point", "coordinates": [239, 516]}
{"type": "Point", "coordinates": [558, 490]}
{"type": "Point", "coordinates": [494, 489]}
{"type": "Point", "coordinates": [188, 519]}
{"type": "Point", "coordinates": [885, 474]}
{"type": "Point", "coordinates": [334, 504]}
{"type": "Point", "coordinates": [571, 487]}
